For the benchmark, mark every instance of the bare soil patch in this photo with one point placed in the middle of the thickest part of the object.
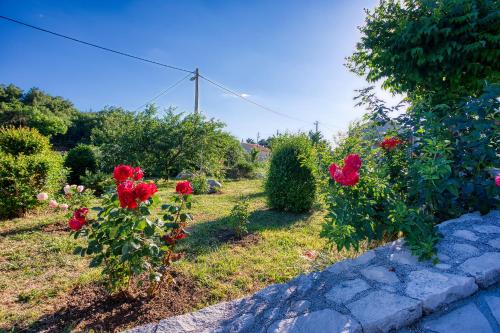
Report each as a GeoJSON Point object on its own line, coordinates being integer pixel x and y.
{"type": "Point", "coordinates": [89, 307]}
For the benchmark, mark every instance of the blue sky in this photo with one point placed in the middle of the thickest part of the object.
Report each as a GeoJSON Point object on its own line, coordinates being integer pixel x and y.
{"type": "Point", "coordinates": [287, 55]}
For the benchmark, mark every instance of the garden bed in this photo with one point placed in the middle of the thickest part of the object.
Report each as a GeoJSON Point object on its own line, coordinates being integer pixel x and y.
{"type": "Point", "coordinates": [44, 286]}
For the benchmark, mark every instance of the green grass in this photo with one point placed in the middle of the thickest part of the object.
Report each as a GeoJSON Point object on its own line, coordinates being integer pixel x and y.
{"type": "Point", "coordinates": [37, 265]}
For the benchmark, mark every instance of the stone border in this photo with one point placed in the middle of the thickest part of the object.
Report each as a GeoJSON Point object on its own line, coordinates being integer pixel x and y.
{"type": "Point", "coordinates": [382, 290]}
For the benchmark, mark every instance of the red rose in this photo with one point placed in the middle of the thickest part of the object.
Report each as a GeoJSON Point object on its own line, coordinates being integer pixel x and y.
{"type": "Point", "coordinates": [80, 214]}
{"type": "Point", "coordinates": [390, 143]}
{"type": "Point", "coordinates": [349, 174]}
{"type": "Point", "coordinates": [138, 173]}
{"type": "Point", "coordinates": [168, 239]}
{"type": "Point", "coordinates": [353, 161]}
{"type": "Point", "coordinates": [184, 188]}
{"type": "Point", "coordinates": [123, 172]}
{"type": "Point", "coordinates": [144, 191]}
{"type": "Point", "coordinates": [75, 224]}
{"type": "Point", "coordinates": [181, 235]}
{"type": "Point", "coordinates": [497, 180]}
{"type": "Point", "coordinates": [126, 194]}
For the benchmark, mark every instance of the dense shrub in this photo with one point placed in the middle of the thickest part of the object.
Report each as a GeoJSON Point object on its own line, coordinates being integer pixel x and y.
{"type": "Point", "coordinates": [239, 217]}
{"type": "Point", "coordinates": [127, 238]}
{"type": "Point", "coordinates": [290, 184]}
{"type": "Point", "coordinates": [199, 184]}
{"type": "Point", "coordinates": [79, 160]}
{"type": "Point", "coordinates": [27, 141]}
{"type": "Point", "coordinates": [167, 144]}
{"type": "Point", "coordinates": [97, 182]}
{"type": "Point", "coordinates": [241, 169]}
{"type": "Point", "coordinates": [23, 176]}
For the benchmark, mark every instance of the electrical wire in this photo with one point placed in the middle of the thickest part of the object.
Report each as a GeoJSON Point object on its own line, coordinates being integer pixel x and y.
{"type": "Point", "coordinates": [220, 86]}
{"type": "Point", "coordinates": [95, 45]}
{"type": "Point", "coordinates": [169, 88]}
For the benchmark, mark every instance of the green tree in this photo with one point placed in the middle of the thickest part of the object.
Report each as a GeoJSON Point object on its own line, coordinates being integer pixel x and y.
{"type": "Point", "coordinates": [36, 109]}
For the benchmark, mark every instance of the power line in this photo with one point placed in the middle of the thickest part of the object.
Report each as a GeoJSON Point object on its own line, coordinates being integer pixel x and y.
{"type": "Point", "coordinates": [220, 86]}
{"type": "Point", "coordinates": [94, 45]}
{"type": "Point", "coordinates": [169, 88]}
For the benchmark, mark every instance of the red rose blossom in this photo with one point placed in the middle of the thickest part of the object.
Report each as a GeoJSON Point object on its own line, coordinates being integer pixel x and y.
{"type": "Point", "coordinates": [80, 214]}
{"type": "Point", "coordinates": [184, 188]}
{"type": "Point", "coordinates": [390, 143]}
{"type": "Point", "coordinates": [497, 180]}
{"type": "Point", "coordinates": [353, 161]}
{"type": "Point", "coordinates": [181, 235]}
{"type": "Point", "coordinates": [349, 174]}
{"type": "Point", "coordinates": [126, 194]}
{"type": "Point", "coordinates": [144, 191]}
{"type": "Point", "coordinates": [138, 173]}
{"type": "Point", "coordinates": [75, 224]}
{"type": "Point", "coordinates": [123, 172]}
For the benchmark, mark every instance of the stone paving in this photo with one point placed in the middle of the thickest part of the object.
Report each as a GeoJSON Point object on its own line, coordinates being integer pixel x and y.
{"type": "Point", "coordinates": [383, 290]}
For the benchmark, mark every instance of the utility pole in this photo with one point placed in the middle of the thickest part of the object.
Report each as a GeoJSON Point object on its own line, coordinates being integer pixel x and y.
{"type": "Point", "coordinates": [316, 123]}
{"type": "Point", "coordinates": [258, 137]}
{"type": "Point", "coordinates": [196, 79]}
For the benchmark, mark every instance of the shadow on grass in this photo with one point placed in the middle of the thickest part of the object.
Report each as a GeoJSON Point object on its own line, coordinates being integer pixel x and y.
{"type": "Point", "coordinates": [208, 235]}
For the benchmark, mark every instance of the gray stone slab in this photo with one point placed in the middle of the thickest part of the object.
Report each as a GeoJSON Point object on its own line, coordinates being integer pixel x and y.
{"type": "Point", "coordinates": [323, 321]}
{"type": "Point", "coordinates": [242, 323]}
{"type": "Point", "coordinates": [466, 234]}
{"type": "Point", "coordinates": [437, 289]}
{"type": "Point", "coordinates": [345, 290]}
{"type": "Point", "coordinates": [381, 311]}
{"type": "Point", "coordinates": [149, 328]}
{"type": "Point", "coordinates": [443, 266]}
{"type": "Point", "coordinates": [495, 243]}
{"type": "Point", "coordinates": [494, 305]}
{"type": "Point", "coordinates": [340, 267]}
{"type": "Point", "coordinates": [467, 319]}
{"type": "Point", "coordinates": [380, 274]}
{"type": "Point", "coordinates": [485, 268]}
{"type": "Point", "coordinates": [487, 229]}
{"type": "Point", "coordinates": [403, 257]}
{"type": "Point", "coordinates": [363, 259]}
{"type": "Point", "coordinates": [465, 250]}
{"type": "Point", "coordinates": [300, 306]}
{"type": "Point", "coordinates": [196, 320]}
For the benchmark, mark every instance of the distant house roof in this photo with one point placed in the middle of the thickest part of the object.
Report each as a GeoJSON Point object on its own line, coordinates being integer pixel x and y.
{"type": "Point", "coordinates": [249, 146]}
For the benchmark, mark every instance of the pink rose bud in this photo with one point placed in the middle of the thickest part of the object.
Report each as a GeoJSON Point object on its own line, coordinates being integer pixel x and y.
{"type": "Point", "coordinates": [67, 189]}
{"type": "Point", "coordinates": [42, 196]}
{"type": "Point", "coordinates": [53, 204]}
{"type": "Point", "coordinates": [64, 206]}
{"type": "Point", "coordinates": [80, 188]}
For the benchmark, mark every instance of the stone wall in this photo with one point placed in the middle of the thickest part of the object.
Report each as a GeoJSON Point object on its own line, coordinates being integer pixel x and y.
{"type": "Point", "coordinates": [382, 290]}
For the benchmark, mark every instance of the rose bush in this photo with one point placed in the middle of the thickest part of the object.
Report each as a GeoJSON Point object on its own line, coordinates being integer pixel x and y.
{"type": "Point", "coordinates": [130, 241]}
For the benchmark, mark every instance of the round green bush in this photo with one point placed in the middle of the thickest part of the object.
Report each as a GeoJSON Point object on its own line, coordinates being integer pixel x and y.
{"type": "Point", "coordinates": [290, 184]}
{"type": "Point", "coordinates": [80, 159]}
{"type": "Point", "coordinates": [22, 177]}
{"type": "Point", "coordinates": [23, 140]}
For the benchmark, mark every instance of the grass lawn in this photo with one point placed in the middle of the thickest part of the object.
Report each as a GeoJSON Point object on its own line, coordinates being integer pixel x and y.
{"type": "Point", "coordinates": [37, 267]}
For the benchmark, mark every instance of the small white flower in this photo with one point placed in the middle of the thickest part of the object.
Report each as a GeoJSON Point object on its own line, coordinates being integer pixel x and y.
{"type": "Point", "coordinates": [67, 189]}
{"type": "Point", "coordinates": [42, 196]}
{"type": "Point", "coordinates": [64, 206]}
{"type": "Point", "coordinates": [53, 204]}
{"type": "Point", "coordinates": [80, 188]}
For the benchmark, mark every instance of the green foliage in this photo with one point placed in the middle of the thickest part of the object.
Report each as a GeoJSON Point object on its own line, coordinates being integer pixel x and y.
{"type": "Point", "coordinates": [199, 184]}
{"type": "Point", "coordinates": [167, 144]}
{"type": "Point", "coordinates": [439, 47]}
{"type": "Point", "coordinates": [26, 141]}
{"type": "Point", "coordinates": [239, 217]}
{"type": "Point", "coordinates": [22, 177]}
{"type": "Point", "coordinates": [290, 185]}
{"type": "Point", "coordinates": [49, 115]}
{"type": "Point", "coordinates": [79, 130]}
{"type": "Point", "coordinates": [97, 182]}
{"type": "Point", "coordinates": [79, 160]}
{"type": "Point", "coordinates": [134, 245]}
{"type": "Point", "coordinates": [242, 169]}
